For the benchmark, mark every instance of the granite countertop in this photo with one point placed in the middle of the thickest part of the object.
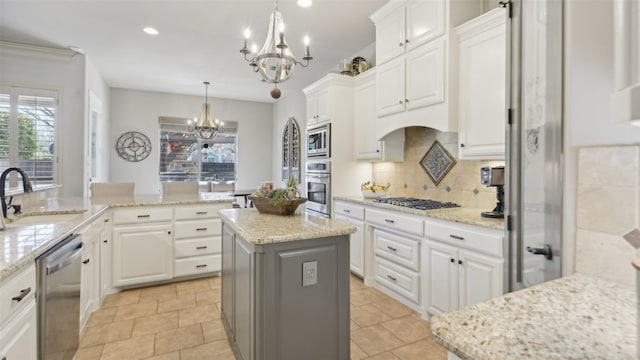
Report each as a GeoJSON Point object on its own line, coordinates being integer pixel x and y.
{"type": "Point", "coordinates": [575, 317]}
{"type": "Point", "coordinates": [461, 215]}
{"type": "Point", "coordinates": [262, 229]}
{"type": "Point", "coordinates": [20, 245]}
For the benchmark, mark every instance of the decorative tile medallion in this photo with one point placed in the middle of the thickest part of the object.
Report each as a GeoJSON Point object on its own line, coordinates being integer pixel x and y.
{"type": "Point", "coordinates": [633, 237]}
{"type": "Point", "coordinates": [437, 162]}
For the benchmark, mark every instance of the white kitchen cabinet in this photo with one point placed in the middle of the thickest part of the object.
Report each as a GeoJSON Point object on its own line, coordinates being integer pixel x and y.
{"type": "Point", "coordinates": [482, 63]}
{"type": "Point", "coordinates": [318, 106]}
{"type": "Point", "coordinates": [18, 318]}
{"type": "Point", "coordinates": [397, 264]}
{"type": "Point", "coordinates": [142, 253]}
{"type": "Point", "coordinates": [354, 215]}
{"type": "Point", "coordinates": [87, 270]}
{"type": "Point", "coordinates": [425, 21]}
{"type": "Point", "coordinates": [105, 243]}
{"type": "Point", "coordinates": [367, 145]}
{"type": "Point", "coordinates": [390, 32]}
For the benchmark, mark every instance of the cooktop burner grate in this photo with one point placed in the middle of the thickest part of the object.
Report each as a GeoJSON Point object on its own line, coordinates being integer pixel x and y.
{"type": "Point", "coordinates": [415, 203]}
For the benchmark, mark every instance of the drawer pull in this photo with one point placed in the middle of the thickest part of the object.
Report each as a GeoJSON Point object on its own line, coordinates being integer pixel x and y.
{"type": "Point", "coordinates": [23, 294]}
{"type": "Point", "coordinates": [201, 213]}
{"type": "Point", "coordinates": [391, 278]}
{"type": "Point", "coordinates": [200, 247]}
{"type": "Point", "coordinates": [143, 216]}
{"type": "Point", "coordinates": [392, 248]}
{"type": "Point", "coordinates": [201, 229]}
{"type": "Point", "coordinates": [456, 237]}
{"type": "Point", "coordinates": [86, 261]}
{"type": "Point", "coordinates": [389, 221]}
{"type": "Point", "coordinates": [201, 266]}
{"type": "Point", "coordinates": [346, 210]}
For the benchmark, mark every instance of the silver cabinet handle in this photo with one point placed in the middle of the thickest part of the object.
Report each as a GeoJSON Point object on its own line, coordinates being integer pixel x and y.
{"type": "Point", "coordinates": [23, 294]}
{"type": "Point", "coordinates": [392, 248]}
{"type": "Point", "coordinates": [456, 237]}
{"type": "Point", "coordinates": [391, 278]}
{"type": "Point", "coordinates": [200, 247]}
{"type": "Point", "coordinates": [201, 213]}
{"type": "Point", "coordinates": [201, 229]}
{"type": "Point", "coordinates": [389, 221]}
{"type": "Point", "coordinates": [201, 266]}
{"type": "Point", "coordinates": [143, 216]}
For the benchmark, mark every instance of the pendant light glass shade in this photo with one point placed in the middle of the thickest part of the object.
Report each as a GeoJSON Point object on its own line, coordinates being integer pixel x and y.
{"type": "Point", "coordinates": [206, 127]}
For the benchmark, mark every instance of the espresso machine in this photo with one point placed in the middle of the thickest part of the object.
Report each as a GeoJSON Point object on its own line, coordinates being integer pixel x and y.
{"type": "Point", "coordinates": [494, 176]}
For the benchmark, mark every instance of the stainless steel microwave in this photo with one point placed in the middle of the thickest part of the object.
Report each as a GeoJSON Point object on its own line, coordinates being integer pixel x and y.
{"type": "Point", "coordinates": [319, 141]}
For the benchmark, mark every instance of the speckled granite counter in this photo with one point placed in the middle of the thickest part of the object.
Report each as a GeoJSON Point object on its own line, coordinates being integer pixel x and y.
{"type": "Point", "coordinates": [20, 245]}
{"type": "Point", "coordinates": [575, 317]}
{"type": "Point", "coordinates": [259, 228]}
{"type": "Point", "coordinates": [468, 216]}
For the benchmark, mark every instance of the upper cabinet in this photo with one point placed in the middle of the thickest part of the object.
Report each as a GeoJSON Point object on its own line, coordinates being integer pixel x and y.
{"type": "Point", "coordinates": [416, 76]}
{"type": "Point", "coordinates": [318, 106]}
{"type": "Point", "coordinates": [482, 64]}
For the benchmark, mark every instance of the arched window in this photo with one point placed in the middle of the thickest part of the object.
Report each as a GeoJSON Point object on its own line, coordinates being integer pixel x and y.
{"type": "Point", "coordinates": [291, 150]}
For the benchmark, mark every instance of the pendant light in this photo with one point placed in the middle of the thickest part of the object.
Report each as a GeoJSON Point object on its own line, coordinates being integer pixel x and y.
{"type": "Point", "coordinates": [205, 127]}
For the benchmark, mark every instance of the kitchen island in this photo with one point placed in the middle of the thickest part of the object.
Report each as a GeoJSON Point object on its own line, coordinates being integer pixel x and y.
{"type": "Point", "coordinates": [575, 317]}
{"type": "Point", "coordinates": [285, 285]}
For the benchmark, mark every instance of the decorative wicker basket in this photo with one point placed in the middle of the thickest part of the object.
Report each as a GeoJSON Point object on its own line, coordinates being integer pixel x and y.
{"type": "Point", "coordinates": [286, 207]}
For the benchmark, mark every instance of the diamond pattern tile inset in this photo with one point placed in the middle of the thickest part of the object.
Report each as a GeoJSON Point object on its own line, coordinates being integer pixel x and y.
{"type": "Point", "coordinates": [437, 162]}
{"type": "Point", "coordinates": [633, 238]}
{"type": "Point", "coordinates": [475, 191]}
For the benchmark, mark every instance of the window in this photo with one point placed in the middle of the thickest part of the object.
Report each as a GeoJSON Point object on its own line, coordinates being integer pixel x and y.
{"type": "Point", "coordinates": [28, 120]}
{"type": "Point", "coordinates": [291, 150]}
{"type": "Point", "coordinates": [183, 157]}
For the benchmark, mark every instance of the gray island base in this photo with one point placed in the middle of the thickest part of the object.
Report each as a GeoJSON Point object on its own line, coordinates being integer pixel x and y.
{"type": "Point", "coordinates": [285, 285]}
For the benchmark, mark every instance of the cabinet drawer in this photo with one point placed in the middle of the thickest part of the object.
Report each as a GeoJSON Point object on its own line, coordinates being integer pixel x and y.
{"type": "Point", "coordinates": [398, 279]}
{"type": "Point", "coordinates": [350, 210]}
{"type": "Point", "coordinates": [199, 211]}
{"type": "Point", "coordinates": [142, 215]}
{"type": "Point", "coordinates": [398, 222]}
{"type": "Point", "coordinates": [25, 280]}
{"type": "Point", "coordinates": [397, 249]}
{"type": "Point", "coordinates": [187, 248]}
{"type": "Point", "coordinates": [197, 228]}
{"type": "Point", "coordinates": [197, 265]}
{"type": "Point", "coordinates": [465, 236]}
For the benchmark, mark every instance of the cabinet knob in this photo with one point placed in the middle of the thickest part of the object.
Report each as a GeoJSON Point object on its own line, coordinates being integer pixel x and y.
{"type": "Point", "coordinates": [452, 260]}
{"type": "Point", "coordinates": [400, 102]}
{"type": "Point", "coordinates": [400, 43]}
{"type": "Point", "coordinates": [461, 145]}
{"type": "Point", "coordinates": [169, 232]}
{"type": "Point", "coordinates": [406, 100]}
{"type": "Point", "coordinates": [460, 262]}
{"type": "Point", "coordinates": [104, 241]}
{"type": "Point", "coordinates": [406, 41]}
{"type": "Point", "coordinates": [377, 150]}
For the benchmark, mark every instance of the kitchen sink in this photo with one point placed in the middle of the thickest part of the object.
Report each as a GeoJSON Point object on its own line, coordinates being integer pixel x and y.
{"type": "Point", "coordinates": [40, 219]}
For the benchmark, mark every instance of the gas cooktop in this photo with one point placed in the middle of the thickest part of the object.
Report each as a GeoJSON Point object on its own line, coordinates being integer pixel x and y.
{"type": "Point", "coordinates": [415, 203]}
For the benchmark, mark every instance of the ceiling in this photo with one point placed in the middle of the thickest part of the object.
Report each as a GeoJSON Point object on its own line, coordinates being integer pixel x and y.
{"type": "Point", "coordinates": [198, 40]}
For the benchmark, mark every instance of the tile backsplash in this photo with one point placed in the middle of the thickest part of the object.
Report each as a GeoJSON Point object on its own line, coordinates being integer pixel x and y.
{"type": "Point", "coordinates": [461, 185]}
{"type": "Point", "coordinates": [608, 212]}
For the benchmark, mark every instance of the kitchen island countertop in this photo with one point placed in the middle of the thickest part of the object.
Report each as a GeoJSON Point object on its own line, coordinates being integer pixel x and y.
{"type": "Point", "coordinates": [575, 317]}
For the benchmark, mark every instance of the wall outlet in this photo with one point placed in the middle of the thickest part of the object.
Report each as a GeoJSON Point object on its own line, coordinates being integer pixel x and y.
{"type": "Point", "coordinates": [309, 273]}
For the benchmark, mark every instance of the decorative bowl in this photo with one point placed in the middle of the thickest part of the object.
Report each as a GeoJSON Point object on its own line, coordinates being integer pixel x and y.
{"type": "Point", "coordinates": [374, 194]}
{"type": "Point", "coordinates": [286, 207]}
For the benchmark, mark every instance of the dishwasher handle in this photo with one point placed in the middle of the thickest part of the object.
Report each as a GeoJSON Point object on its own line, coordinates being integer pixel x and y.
{"type": "Point", "coordinates": [65, 261]}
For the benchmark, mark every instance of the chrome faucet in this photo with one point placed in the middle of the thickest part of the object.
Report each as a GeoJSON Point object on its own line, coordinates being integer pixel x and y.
{"type": "Point", "coordinates": [26, 186]}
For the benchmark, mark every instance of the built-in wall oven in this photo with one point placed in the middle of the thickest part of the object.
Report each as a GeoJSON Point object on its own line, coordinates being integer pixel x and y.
{"type": "Point", "coordinates": [318, 184]}
{"type": "Point", "coordinates": [319, 141]}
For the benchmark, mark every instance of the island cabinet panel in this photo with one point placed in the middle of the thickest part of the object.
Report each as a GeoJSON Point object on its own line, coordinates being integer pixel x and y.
{"type": "Point", "coordinates": [268, 308]}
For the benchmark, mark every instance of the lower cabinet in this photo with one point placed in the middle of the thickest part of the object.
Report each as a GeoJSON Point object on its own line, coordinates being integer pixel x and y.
{"type": "Point", "coordinates": [19, 336]}
{"type": "Point", "coordinates": [354, 215]}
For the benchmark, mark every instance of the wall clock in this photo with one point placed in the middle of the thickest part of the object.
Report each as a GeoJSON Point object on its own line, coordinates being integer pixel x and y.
{"type": "Point", "coordinates": [133, 146]}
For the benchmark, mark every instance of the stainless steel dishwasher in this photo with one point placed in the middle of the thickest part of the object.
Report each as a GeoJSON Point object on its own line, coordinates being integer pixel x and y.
{"type": "Point", "coordinates": [58, 299]}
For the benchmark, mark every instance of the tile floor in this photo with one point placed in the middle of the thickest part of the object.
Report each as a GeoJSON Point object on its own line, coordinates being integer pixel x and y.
{"type": "Point", "coordinates": [181, 321]}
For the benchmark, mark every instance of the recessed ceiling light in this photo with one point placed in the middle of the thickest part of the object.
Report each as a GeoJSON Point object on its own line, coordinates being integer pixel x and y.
{"type": "Point", "coordinates": [151, 31]}
{"type": "Point", "coordinates": [304, 3]}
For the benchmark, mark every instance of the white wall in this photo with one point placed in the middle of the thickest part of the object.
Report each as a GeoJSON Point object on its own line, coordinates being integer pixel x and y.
{"type": "Point", "coordinates": [293, 105]}
{"type": "Point", "coordinates": [588, 86]}
{"type": "Point", "coordinates": [95, 84]}
{"type": "Point", "coordinates": [134, 110]}
{"type": "Point", "coordinates": [32, 69]}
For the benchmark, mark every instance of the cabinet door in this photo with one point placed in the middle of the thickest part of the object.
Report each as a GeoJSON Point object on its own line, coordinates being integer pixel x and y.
{"type": "Point", "coordinates": [390, 90]}
{"type": "Point", "coordinates": [425, 21]}
{"type": "Point", "coordinates": [324, 105]}
{"type": "Point", "coordinates": [356, 245]}
{"type": "Point", "coordinates": [243, 297]}
{"type": "Point", "coordinates": [312, 109]}
{"type": "Point", "coordinates": [105, 258]}
{"type": "Point", "coordinates": [18, 337]}
{"type": "Point", "coordinates": [86, 278]}
{"type": "Point", "coordinates": [390, 36]}
{"type": "Point", "coordinates": [142, 254]}
{"type": "Point", "coordinates": [482, 97]}
{"type": "Point", "coordinates": [442, 278]}
{"type": "Point", "coordinates": [228, 240]}
{"type": "Point", "coordinates": [425, 75]}
{"type": "Point", "coordinates": [480, 278]}
{"type": "Point", "coordinates": [367, 147]}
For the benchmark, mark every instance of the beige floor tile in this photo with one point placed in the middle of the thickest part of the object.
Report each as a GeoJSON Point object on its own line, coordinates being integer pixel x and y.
{"type": "Point", "coordinates": [103, 334]}
{"type": "Point", "coordinates": [177, 303]}
{"type": "Point", "coordinates": [208, 297]}
{"type": "Point", "coordinates": [218, 350]}
{"type": "Point", "coordinates": [365, 296]}
{"type": "Point", "coordinates": [213, 331]}
{"type": "Point", "coordinates": [169, 356]}
{"type": "Point", "coordinates": [387, 355]}
{"type": "Point", "coordinates": [367, 315]}
{"type": "Point", "coordinates": [421, 350]}
{"type": "Point", "coordinates": [178, 339]}
{"type": "Point", "coordinates": [192, 286]}
{"type": "Point", "coordinates": [131, 349]}
{"type": "Point", "coordinates": [132, 311]}
{"type": "Point", "coordinates": [122, 298]}
{"type": "Point", "coordinates": [375, 339]}
{"type": "Point", "coordinates": [393, 308]}
{"type": "Point", "coordinates": [158, 292]}
{"type": "Point", "coordinates": [197, 315]}
{"type": "Point", "coordinates": [408, 329]}
{"type": "Point", "coordinates": [155, 323]}
{"type": "Point", "coordinates": [90, 353]}
{"type": "Point", "coordinates": [356, 352]}
{"type": "Point", "coordinates": [215, 282]}
{"type": "Point", "coordinates": [353, 325]}
{"type": "Point", "coordinates": [356, 283]}
{"type": "Point", "coordinates": [102, 316]}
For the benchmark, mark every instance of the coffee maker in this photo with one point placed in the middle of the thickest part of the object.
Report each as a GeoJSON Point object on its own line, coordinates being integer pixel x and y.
{"type": "Point", "coordinates": [494, 176]}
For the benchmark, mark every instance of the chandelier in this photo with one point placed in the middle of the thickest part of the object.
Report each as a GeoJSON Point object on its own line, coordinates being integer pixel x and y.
{"type": "Point", "coordinates": [274, 61]}
{"type": "Point", "coordinates": [205, 127]}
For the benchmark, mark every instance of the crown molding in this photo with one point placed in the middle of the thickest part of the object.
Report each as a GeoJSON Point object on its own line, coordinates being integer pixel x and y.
{"type": "Point", "coordinates": [36, 52]}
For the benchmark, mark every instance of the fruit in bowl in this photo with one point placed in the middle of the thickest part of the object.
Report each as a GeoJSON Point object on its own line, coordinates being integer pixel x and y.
{"type": "Point", "coordinates": [372, 191]}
